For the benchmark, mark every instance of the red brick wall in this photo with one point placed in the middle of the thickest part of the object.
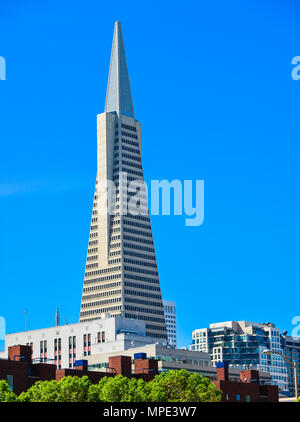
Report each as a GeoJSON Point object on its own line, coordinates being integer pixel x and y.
{"type": "Point", "coordinates": [120, 365]}
{"type": "Point", "coordinates": [19, 370]}
{"type": "Point", "coordinates": [256, 392]}
{"type": "Point", "coordinates": [145, 366]}
{"type": "Point", "coordinates": [17, 352]}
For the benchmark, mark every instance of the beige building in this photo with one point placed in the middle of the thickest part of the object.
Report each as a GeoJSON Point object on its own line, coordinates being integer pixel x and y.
{"type": "Point", "coordinates": [170, 359]}
{"type": "Point", "coordinates": [121, 276]}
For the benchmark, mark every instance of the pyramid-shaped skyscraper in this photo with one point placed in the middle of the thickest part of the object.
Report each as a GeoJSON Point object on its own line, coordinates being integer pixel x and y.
{"type": "Point", "coordinates": [121, 276]}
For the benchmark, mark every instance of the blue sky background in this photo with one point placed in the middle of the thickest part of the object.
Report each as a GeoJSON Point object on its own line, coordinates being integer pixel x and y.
{"type": "Point", "coordinates": [211, 84]}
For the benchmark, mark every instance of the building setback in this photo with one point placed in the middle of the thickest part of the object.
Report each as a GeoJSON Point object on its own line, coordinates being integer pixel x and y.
{"type": "Point", "coordinates": [121, 275]}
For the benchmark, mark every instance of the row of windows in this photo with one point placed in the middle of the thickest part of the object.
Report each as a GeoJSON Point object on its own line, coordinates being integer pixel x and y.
{"type": "Point", "coordinates": [132, 128]}
{"type": "Point", "coordinates": [144, 294]}
{"type": "Point", "coordinates": [102, 286]}
{"type": "Point", "coordinates": [147, 234]}
{"type": "Point", "coordinates": [93, 235]}
{"type": "Point", "coordinates": [114, 253]}
{"type": "Point", "coordinates": [115, 245]}
{"type": "Point", "coordinates": [142, 317]}
{"type": "Point", "coordinates": [139, 217]}
{"type": "Point", "coordinates": [103, 271]}
{"type": "Point", "coordinates": [99, 279]}
{"type": "Point", "coordinates": [93, 250]}
{"type": "Point", "coordinates": [115, 238]}
{"type": "Point", "coordinates": [129, 135]}
{"type": "Point", "coordinates": [136, 173]}
{"type": "Point", "coordinates": [115, 222]}
{"type": "Point", "coordinates": [101, 302]}
{"type": "Point", "coordinates": [140, 270]}
{"type": "Point", "coordinates": [135, 239]}
{"type": "Point", "coordinates": [94, 220]}
{"type": "Point", "coordinates": [93, 242]}
{"type": "Point", "coordinates": [140, 248]}
{"type": "Point", "coordinates": [133, 223]}
{"type": "Point", "coordinates": [129, 164]}
{"type": "Point", "coordinates": [116, 230]}
{"type": "Point", "coordinates": [100, 311]}
{"type": "Point", "coordinates": [103, 294]}
{"type": "Point", "coordinates": [133, 150]}
{"type": "Point", "coordinates": [114, 261]}
{"type": "Point", "coordinates": [147, 303]}
{"type": "Point", "coordinates": [141, 286]}
{"type": "Point", "coordinates": [130, 157]}
{"type": "Point", "coordinates": [139, 255]}
{"type": "Point", "coordinates": [94, 265]}
{"type": "Point", "coordinates": [129, 142]}
{"type": "Point", "coordinates": [92, 258]}
{"type": "Point", "coordinates": [140, 278]}
{"type": "Point", "coordinates": [145, 264]}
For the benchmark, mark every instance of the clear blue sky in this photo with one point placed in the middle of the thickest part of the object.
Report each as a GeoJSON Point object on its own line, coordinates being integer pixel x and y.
{"type": "Point", "coordinates": [211, 84]}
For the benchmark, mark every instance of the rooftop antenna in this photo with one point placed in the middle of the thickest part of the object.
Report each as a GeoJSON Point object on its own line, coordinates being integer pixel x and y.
{"type": "Point", "coordinates": [57, 317]}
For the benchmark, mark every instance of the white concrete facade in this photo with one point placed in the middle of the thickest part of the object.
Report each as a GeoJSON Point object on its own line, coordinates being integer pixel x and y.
{"type": "Point", "coordinates": [64, 344]}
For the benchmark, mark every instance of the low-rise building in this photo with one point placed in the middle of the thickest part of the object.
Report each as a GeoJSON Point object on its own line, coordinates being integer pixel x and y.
{"type": "Point", "coordinates": [64, 344]}
{"type": "Point", "coordinates": [171, 359]}
{"type": "Point", "coordinates": [247, 389]}
{"type": "Point", "coordinates": [21, 372]}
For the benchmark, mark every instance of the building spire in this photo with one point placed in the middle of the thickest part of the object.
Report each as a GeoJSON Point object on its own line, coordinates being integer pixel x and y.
{"type": "Point", "coordinates": [118, 94]}
{"type": "Point", "coordinates": [57, 318]}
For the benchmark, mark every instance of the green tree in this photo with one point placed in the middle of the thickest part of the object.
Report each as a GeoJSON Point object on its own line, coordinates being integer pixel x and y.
{"type": "Point", "coordinates": [122, 389]}
{"type": "Point", "coordinates": [171, 386]}
{"type": "Point", "coordinates": [6, 395]}
{"type": "Point", "coordinates": [181, 386]}
{"type": "Point", "coordinates": [68, 389]}
{"type": "Point", "coordinates": [42, 391]}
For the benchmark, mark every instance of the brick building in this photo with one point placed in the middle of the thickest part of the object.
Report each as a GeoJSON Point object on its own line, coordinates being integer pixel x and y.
{"type": "Point", "coordinates": [21, 372]}
{"type": "Point", "coordinates": [247, 390]}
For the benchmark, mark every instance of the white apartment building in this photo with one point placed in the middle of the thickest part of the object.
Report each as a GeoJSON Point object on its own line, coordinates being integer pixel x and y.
{"type": "Point", "coordinates": [170, 317]}
{"type": "Point", "coordinates": [65, 344]}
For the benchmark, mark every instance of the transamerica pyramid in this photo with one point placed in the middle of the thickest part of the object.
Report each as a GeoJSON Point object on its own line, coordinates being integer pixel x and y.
{"type": "Point", "coordinates": [121, 276]}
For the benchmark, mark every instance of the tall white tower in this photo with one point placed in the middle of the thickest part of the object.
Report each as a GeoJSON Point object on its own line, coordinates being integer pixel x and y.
{"type": "Point", "coordinates": [121, 276]}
